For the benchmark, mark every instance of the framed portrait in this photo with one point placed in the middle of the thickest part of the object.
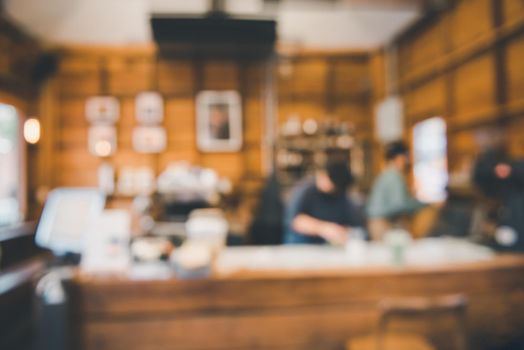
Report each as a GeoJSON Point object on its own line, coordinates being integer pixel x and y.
{"type": "Point", "coordinates": [219, 121]}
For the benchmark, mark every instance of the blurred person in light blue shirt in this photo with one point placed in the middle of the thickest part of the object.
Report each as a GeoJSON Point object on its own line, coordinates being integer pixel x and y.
{"type": "Point", "coordinates": [390, 199]}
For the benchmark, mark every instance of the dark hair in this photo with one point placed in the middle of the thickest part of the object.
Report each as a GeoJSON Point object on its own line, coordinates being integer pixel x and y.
{"type": "Point", "coordinates": [339, 173]}
{"type": "Point", "coordinates": [395, 149]}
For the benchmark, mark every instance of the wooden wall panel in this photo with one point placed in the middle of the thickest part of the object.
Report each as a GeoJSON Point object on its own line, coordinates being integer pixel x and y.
{"type": "Point", "coordinates": [403, 65]}
{"type": "Point", "coordinates": [257, 78]}
{"type": "Point", "coordinates": [427, 101]}
{"type": "Point", "coordinates": [77, 178]}
{"type": "Point", "coordinates": [75, 167]}
{"type": "Point", "coordinates": [5, 44]}
{"type": "Point", "coordinates": [126, 77]}
{"type": "Point", "coordinates": [86, 72]}
{"type": "Point", "coordinates": [338, 87]}
{"type": "Point", "coordinates": [427, 47]}
{"type": "Point", "coordinates": [308, 78]}
{"type": "Point", "coordinates": [462, 146]}
{"type": "Point", "coordinates": [470, 20]}
{"type": "Point", "coordinates": [72, 137]}
{"type": "Point", "coordinates": [516, 137]}
{"type": "Point", "coordinates": [129, 158]}
{"type": "Point", "coordinates": [180, 118]}
{"type": "Point", "coordinates": [71, 113]}
{"type": "Point", "coordinates": [19, 54]}
{"type": "Point", "coordinates": [127, 113]}
{"type": "Point", "coordinates": [253, 121]}
{"type": "Point", "coordinates": [480, 71]}
{"type": "Point", "coordinates": [474, 92]}
{"type": "Point", "coordinates": [181, 152]}
{"type": "Point", "coordinates": [253, 162]}
{"type": "Point", "coordinates": [378, 75]}
{"type": "Point", "coordinates": [228, 164]}
{"type": "Point", "coordinates": [359, 115]}
{"type": "Point", "coordinates": [79, 76]}
{"type": "Point", "coordinates": [175, 77]}
{"type": "Point", "coordinates": [515, 70]}
{"type": "Point", "coordinates": [350, 78]}
{"type": "Point", "coordinates": [304, 109]}
{"type": "Point", "coordinates": [513, 11]}
{"type": "Point", "coordinates": [350, 111]}
{"type": "Point", "coordinates": [180, 121]}
{"type": "Point", "coordinates": [221, 75]}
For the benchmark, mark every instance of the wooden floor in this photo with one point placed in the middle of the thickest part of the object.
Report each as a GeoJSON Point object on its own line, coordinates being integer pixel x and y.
{"type": "Point", "coordinates": [316, 310]}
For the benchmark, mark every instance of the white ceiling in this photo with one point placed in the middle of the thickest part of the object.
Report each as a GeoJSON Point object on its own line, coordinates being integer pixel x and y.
{"type": "Point", "coordinates": [315, 24]}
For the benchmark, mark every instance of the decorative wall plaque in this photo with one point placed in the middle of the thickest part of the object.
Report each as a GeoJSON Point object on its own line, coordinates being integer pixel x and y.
{"type": "Point", "coordinates": [102, 110]}
{"type": "Point", "coordinates": [102, 140]}
{"type": "Point", "coordinates": [149, 139]}
{"type": "Point", "coordinates": [149, 108]}
{"type": "Point", "coordinates": [389, 119]}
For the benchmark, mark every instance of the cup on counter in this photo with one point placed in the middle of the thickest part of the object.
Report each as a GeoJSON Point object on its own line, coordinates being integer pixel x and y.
{"type": "Point", "coordinates": [356, 246]}
{"type": "Point", "coordinates": [192, 260]}
{"type": "Point", "coordinates": [208, 227]}
{"type": "Point", "coordinates": [397, 240]}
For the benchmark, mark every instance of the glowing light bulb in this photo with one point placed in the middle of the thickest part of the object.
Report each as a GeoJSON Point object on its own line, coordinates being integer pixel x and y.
{"type": "Point", "coordinates": [32, 131]}
{"type": "Point", "coordinates": [103, 148]}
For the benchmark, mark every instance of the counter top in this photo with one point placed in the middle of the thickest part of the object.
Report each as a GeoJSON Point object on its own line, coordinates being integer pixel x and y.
{"type": "Point", "coordinates": [277, 262]}
{"type": "Point", "coordinates": [288, 308]}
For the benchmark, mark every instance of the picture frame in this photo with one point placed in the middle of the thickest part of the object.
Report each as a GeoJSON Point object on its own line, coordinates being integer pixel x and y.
{"type": "Point", "coordinates": [102, 140]}
{"type": "Point", "coordinates": [389, 119]}
{"type": "Point", "coordinates": [219, 121]}
{"type": "Point", "coordinates": [102, 110]}
{"type": "Point", "coordinates": [149, 139]}
{"type": "Point", "coordinates": [149, 108]}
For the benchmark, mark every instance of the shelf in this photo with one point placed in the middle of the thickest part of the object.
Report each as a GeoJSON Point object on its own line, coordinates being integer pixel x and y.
{"type": "Point", "coordinates": [17, 231]}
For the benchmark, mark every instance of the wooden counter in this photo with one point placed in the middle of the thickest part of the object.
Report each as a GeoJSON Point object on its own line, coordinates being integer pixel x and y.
{"type": "Point", "coordinates": [288, 310]}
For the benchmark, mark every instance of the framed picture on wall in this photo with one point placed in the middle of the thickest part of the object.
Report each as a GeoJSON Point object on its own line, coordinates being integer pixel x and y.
{"type": "Point", "coordinates": [102, 110]}
{"type": "Point", "coordinates": [149, 108]}
{"type": "Point", "coordinates": [219, 121]}
{"type": "Point", "coordinates": [101, 140]}
{"type": "Point", "coordinates": [149, 139]}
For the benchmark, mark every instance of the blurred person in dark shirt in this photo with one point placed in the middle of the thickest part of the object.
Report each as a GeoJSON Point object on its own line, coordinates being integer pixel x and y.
{"type": "Point", "coordinates": [319, 210]}
{"type": "Point", "coordinates": [501, 178]}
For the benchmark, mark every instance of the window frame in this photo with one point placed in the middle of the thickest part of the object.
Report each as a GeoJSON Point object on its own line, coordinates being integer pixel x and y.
{"type": "Point", "coordinates": [416, 123]}
{"type": "Point", "coordinates": [19, 107]}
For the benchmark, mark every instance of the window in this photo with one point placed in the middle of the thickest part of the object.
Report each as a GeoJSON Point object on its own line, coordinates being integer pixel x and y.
{"type": "Point", "coordinates": [430, 160]}
{"type": "Point", "coordinates": [10, 166]}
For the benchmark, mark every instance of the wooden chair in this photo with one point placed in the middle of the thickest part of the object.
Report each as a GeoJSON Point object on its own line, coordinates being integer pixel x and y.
{"type": "Point", "coordinates": [423, 308]}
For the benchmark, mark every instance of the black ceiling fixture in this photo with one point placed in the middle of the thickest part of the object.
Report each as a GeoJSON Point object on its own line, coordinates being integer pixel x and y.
{"type": "Point", "coordinates": [215, 34]}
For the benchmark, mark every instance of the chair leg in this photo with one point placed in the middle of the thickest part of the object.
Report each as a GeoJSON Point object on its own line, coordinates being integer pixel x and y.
{"type": "Point", "coordinates": [381, 331]}
{"type": "Point", "coordinates": [462, 331]}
